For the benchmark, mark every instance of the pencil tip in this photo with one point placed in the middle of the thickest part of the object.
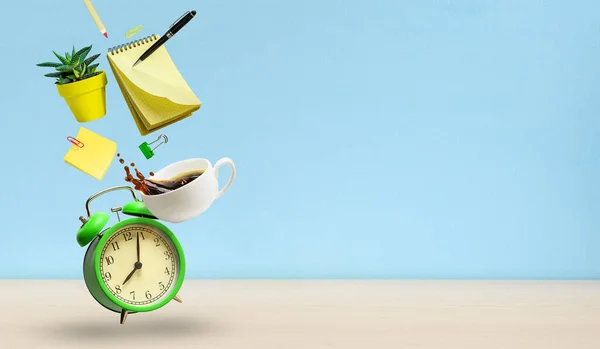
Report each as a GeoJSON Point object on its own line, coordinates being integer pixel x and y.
{"type": "Point", "coordinates": [106, 34]}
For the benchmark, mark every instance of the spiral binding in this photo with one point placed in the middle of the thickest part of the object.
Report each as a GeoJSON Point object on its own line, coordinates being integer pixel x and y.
{"type": "Point", "coordinates": [132, 44]}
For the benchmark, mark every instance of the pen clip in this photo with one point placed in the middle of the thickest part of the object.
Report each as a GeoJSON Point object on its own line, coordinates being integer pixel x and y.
{"type": "Point", "coordinates": [183, 15]}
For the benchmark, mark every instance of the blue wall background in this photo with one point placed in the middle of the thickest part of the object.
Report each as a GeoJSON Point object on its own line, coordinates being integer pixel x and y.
{"type": "Point", "coordinates": [374, 139]}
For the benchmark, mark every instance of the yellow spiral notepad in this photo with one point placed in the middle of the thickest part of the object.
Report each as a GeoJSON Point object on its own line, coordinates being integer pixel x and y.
{"type": "Point", "coordinates": [156, 93]}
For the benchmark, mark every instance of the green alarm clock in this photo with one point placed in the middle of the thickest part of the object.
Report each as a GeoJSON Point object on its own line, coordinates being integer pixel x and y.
{"type": "Point", "coordinates": [136, 265]}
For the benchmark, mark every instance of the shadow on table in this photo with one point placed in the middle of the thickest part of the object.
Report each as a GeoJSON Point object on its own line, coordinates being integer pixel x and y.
{"type": "Point", "coordinates": [155, 327]}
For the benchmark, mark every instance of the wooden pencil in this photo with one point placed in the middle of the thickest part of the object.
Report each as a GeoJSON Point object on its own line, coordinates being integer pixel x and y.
{"type": "Point", "coordinates": [96, 18]}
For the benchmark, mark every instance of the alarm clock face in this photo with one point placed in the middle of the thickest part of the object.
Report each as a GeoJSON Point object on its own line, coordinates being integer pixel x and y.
{"type": "Point", "coordinates": [139, 265]}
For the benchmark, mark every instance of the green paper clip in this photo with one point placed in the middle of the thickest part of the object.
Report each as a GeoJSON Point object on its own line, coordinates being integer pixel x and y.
{"type": "Point", "coordinates": [149, 152]}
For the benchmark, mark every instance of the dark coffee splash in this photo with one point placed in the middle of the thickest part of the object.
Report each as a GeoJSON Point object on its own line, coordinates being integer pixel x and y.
{"type": "Point", "coordinates": [156, 187]}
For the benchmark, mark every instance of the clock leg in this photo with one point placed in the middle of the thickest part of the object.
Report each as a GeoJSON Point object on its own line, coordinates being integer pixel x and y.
{"type": "Point", "coordinates": [123, 316]}
{"type": "Point", "coordinates": [177, 299]}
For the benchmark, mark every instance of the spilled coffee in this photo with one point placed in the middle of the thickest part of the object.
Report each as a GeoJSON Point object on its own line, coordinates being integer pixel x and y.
{"type": "Point", "coordinates": [155, 186]}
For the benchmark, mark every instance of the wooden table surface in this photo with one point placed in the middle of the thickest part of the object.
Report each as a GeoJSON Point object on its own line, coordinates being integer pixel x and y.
{"type": "Point", "coordinates": [311, 314]}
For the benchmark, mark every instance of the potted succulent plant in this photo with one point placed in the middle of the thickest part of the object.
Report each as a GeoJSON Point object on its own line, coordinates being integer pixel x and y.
{"type": "Point", "coordinates": [79, 83]}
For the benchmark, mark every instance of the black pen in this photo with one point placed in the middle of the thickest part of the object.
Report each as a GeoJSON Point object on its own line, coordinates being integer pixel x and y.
{"type": "Point", "coordinates": [183, 20]}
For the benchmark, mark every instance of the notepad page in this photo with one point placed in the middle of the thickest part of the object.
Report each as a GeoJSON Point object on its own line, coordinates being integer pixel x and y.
{"type": "Point", "coordinates": [156, 75]}
{"type": "Point", "coordinates": [136, 110]}
{"type": "Point", "coordinates": [130, 105]}
{"type": "Point", "coordinates": [156, 111]}
{"type": "Point", "coordinates": [151, 112]}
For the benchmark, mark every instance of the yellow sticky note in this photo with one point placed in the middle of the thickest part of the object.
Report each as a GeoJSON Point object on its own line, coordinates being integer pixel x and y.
{"type": "Point", "coordinates": [95, 156]}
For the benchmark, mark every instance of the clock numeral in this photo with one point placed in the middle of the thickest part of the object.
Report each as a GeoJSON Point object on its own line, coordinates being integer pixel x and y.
{"type": "Point", "coordinates": [118, 289]}
{"type": "Point", "coordinates": [167, 255]}
{"type": "Point", "coordinates": [107, 276]}
{"type": "Point", "coordinates": [148, 295]}
{"type": "Point", "coordinates": [127, 236]}
{"type": "Point", "coordinates": [115, 246]}
{"type": "Point", "coordinates": [167, 271]}
{"type": "Point", "coordinates": [110, 260]}
{"type": "Point", "coordinates": [132, 293]}
{"type": "Point", "coordinates": [142, 235]}
{"type": "Point", "coordinates": [157, 242]}
{"type": "Point", "coordinates": [160, 285]}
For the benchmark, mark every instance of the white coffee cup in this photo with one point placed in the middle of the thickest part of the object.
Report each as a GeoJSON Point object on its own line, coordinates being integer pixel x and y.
{"type": "Point", "coordinates": [192, 199]}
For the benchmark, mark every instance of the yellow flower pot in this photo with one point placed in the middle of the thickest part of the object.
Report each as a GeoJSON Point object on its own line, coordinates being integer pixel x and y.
{"type": "Point", "coordinates": [86, 98]}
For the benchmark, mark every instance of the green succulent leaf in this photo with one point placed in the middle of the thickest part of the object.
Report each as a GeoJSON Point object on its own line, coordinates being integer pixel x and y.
{"type": "Point", "coordinates": [74, 66]}
{"type": "Point", "coordinates": [54, 75]}
{"type": "Point", "coordinates": [91, 59]}
{"type": "Point", "coordinates": [80, 60]}
{"type": "Point", "coordinates": [92, 68]}
{"type": "Point", "coordinates": [89, 75]}
{"type": "Point", "coordinates": [60, 58]}
{"type": "Point", "coordinates": [65, 68]}
{"type": "Point", "coordinates": [81, 54]}
{"type": "Point", "coordinates": [49, 64]}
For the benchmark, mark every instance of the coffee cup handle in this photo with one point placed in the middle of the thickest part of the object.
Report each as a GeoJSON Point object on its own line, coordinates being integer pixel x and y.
{"type": "Point", "coordinates": [225, 161]}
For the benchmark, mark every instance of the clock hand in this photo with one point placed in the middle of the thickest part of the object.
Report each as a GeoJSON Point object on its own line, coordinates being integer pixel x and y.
{"type": "Point", "coordinates": [138, 247]}
{"type": "Point", "coordinates": [129, 276]}
{"type": "Point", "coordinates": [136, 266]}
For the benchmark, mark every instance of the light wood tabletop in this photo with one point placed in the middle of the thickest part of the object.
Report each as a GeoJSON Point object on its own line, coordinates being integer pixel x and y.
{"type": "Point", "coordinates": [311, 314]}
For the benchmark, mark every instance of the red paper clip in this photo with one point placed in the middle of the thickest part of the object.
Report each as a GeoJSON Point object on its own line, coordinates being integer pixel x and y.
{"type": "Point", "coordinates": [75, 141]}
